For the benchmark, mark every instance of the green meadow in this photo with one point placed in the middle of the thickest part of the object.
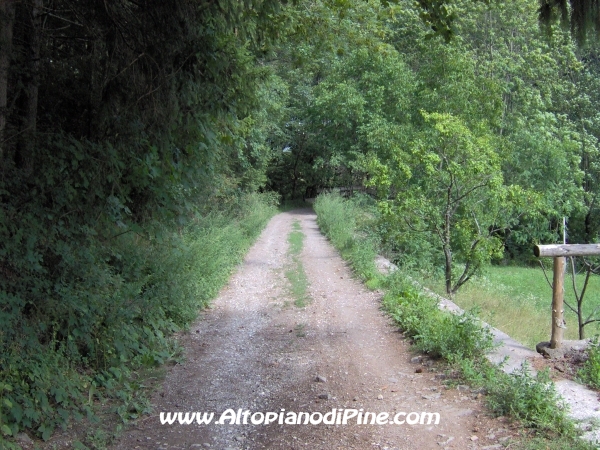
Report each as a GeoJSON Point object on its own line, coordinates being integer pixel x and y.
{"type": "Point", "coordinates": [517, 300]}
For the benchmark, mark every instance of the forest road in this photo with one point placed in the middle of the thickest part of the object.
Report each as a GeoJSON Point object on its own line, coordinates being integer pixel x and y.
{"type": "Point", "coordinates": [256, 351]}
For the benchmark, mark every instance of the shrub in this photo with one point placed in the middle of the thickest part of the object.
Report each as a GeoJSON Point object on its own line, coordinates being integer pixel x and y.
{"type": "Point", "coordinates": [350, 230]}
{"type": "Point", "coordinates": [533, 400]}
{"type": "Point", "coordinates": [590, 373]}
{"type": "Point", "coordinates": [437, 333]}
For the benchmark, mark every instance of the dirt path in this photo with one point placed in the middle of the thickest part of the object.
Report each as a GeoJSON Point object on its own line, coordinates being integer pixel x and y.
{"type": "Point", "coordinates": [254, 350]}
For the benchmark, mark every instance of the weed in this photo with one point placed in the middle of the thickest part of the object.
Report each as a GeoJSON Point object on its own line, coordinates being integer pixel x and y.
{"type": "Point", "coordinates": [531, 399]}
{"type": "Point", "coordinates": [111, 319]}
{"type": "Point", "coordinates": [554, 443]}
{"type": "Point", "coordinates": [348, 227]}
{"type": "Point", "coordinates": [435, 332]}
{"type": "Point", "coordinates": [298, 284]}
{"type": "Point", "coordinates": [296, 239]}
{"type": "Point", "coordinates": [590, 373]}
{"type": "Point", "coordinates": [295, 273]}
{"type": "Point", "coordinates": [300, 330]}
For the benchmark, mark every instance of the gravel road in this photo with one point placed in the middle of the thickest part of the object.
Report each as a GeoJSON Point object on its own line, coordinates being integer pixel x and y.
{"type": "Point", "coordinates": [254, 351]}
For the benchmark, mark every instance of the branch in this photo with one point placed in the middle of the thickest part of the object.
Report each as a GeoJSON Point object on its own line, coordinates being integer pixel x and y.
{"type": "Point", "coordinates": [126, 67]}
{"type": "Point", "coordinates": [63, 19]}
{"type": "Point", "coordinates": [413, 228]}
{"type": "Point", "coordinates": [587, 279]}
{"type": "Point", "coordinates": [466, 276]}
{"type": "Point", "coordinates": [577, 297]}
{"type": "Point", "coordinates": [147, 94]}
{"type": "Point", "coordinates": [458, 199]}
{"type": "Point", "coordinates": [477, 223]}
{"type": "Point", "coordinates": [569, 306]}
{"type": "Point", "coordinates": [118, 234]}
{"type": "Point", "coordinates": [593, 313]}
{"type": "Point", "coordinates": [545, 275]}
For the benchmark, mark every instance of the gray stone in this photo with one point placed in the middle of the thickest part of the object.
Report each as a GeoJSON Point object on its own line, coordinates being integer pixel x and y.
{"type": "Point", "coordinates": [432, 396]}
{"type": "Point", "coordinates": [568, 347]}
{"type": "Point", "coordinates": [544, 349]}
{"type": "Point", "coordinates": [23, 438]}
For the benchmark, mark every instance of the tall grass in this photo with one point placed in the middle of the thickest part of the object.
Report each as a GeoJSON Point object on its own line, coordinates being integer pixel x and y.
{"type": "Point", "coordinates": [347, 225]}
{"type": "Point", "coordinates": [295, 272]}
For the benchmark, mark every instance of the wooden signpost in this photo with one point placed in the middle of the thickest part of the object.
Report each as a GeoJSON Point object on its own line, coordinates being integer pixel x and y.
{"type": "Point", "coordinates": [559, 252]}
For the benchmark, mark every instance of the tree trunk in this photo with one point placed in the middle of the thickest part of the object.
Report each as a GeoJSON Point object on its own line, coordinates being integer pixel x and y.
{"type": "Point", "coordinates": [448, 253]}
{"type": "Point", "coordinates": [26, 145]}
{"type": "Point", "coordinates": [7, 19]}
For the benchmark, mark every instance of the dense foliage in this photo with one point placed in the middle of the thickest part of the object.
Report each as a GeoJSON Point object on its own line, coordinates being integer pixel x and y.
{"type": "Point", "coordinates": [132, 144]}
{"type": "Point", "coordinates": [459, 339]}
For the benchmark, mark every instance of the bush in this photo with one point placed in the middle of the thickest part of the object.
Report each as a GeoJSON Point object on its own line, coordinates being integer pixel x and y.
{"type": "Point", "coordinates": [438, 333]}
{"type": "Point", "coordinates": [533, 400]}
{"type": "Point", "coordinates": [590, 373]}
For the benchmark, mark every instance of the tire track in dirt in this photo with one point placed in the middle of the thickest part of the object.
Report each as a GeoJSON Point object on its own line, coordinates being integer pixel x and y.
{"type": "Point", "coordinates": [254, 350]}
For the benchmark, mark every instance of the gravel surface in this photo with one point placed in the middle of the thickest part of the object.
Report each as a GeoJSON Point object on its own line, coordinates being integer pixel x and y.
{"type": "Point", "coordinates": [254, 350]}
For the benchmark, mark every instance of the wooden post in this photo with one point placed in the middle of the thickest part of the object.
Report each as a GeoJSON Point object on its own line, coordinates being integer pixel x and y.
{"type": "Point", "coordinates": [558, 322]}
{"type": "Point", "coordinates": [559, 251]}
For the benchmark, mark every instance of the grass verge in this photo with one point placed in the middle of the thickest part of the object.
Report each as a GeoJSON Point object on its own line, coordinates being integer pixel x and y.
{"type": "Point", "coordinates": [295, 273]}
{"type": "Point", "coordinates": [458, 339]}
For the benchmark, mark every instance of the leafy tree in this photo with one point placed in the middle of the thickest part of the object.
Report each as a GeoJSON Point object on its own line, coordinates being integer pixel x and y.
{"type": "Point", "coordinates": [581, 16]}
{"type": "Point", "coordinates": [342, 75]}
{"type": "Point", "coordinates": [454, 192]}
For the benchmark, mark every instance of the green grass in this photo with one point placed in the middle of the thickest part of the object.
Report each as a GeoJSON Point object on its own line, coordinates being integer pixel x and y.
{"type": "Point", "coordinates": [300, 330]}
{"type": "Point", "coordinates": [554, 443]}
{"type": "Point", "coordinates": [295, 273]}
{"type": "Point", "coordinates": [517, 301]}
{"type": "Point", "coordinates": [296, 239]}
{"type": "Point", "coordinates": [590, 372]}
